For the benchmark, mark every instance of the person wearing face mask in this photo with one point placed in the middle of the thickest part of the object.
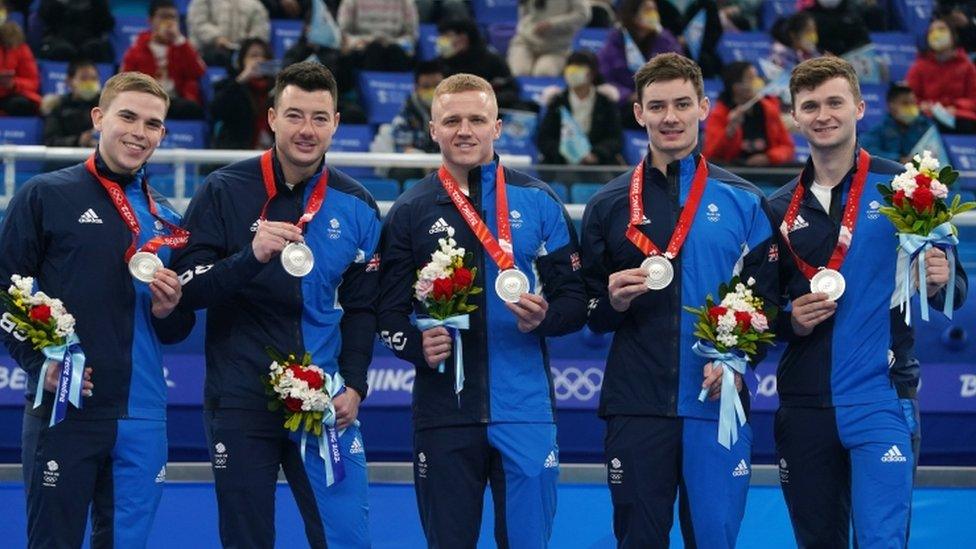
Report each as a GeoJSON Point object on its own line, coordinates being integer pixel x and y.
{"type": "Point", "coordinates": [67, 118]}
{"type": "Point", "coordinates": [944, 75]}
{"type": "Point", "coordinates": [901, 128]}
{"type": "Point", "coordinates": [841, 28]}
{"type": "Point", "coordinates": [638, 37]}
{"type": "Point", "coordinates": [581, 125]}
{"type": "Point", "coordinates": [409, 127]}
{"type": "Point", "coordinates": [165, 54]}
{"type": "Point", "coordinates": [795, 40]}
{"type": "Point", "coordinates": [745, 127]}
{"type": "Point", "coordinates": [461, 48]}
{"type": "Point", "coordinates": [239, 109]}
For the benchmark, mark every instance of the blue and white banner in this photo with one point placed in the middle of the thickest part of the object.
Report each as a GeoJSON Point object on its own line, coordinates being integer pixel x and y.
{"type": "Point", "coordinates": [694, 33]}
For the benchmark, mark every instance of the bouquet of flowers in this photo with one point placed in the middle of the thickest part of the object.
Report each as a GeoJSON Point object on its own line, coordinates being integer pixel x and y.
{"type": "Point", "coordinates": [305, 393]}
{"type": "Point", "coordinates": [443, 286]}
{"type": "Point", "coordinates": [730, 333]}
{"type": "Point", "coordinates": [916, 204]}
{"type": "Point", "coordinates": [46, 323]}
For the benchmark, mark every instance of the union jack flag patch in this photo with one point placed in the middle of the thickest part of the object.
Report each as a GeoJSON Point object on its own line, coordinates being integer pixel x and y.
{"type": "Point", "coordinates": [374, 264]}
{"type": "Point", "coordinates": [574, 261]}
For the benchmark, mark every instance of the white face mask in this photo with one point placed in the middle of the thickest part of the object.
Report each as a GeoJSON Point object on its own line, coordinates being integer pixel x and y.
{"type": "Point", "coordinates": [829, 4]}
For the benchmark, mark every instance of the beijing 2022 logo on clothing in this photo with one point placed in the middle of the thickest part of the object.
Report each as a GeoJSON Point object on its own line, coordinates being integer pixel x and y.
{"type": "Point", "coordinates": [576, 383]}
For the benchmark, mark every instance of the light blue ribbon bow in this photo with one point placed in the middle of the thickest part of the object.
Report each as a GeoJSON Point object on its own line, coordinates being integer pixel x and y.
{"type": "Point", "coordinates": [731, 413]}
{"type": "Point", "coordinates": [454, 325]}
{"type": "Point", "coordinates": [915, 246]}
{"type": "Point", "coordinates": [328, 441]}
{"type": "Point", "coordinates": [72, 360]}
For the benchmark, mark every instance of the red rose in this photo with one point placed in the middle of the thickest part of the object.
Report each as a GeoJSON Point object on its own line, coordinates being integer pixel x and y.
{"type": "Point", "coordinates": [899, 199]}
{"type": "Point", "coordinates": [443, 289]}
{"type": "Point", "coordinates": [40, 313]}
{"type": "Point", "coordinates": [923, 180]}
{"type": "Point", "coordinates": [743, 319]}
{"type": "Point", "coordinates": [462, 279]}
{"type": "Point", "coordinates": [293, 404]}
{"type": "Point", "coordinates": [717, 311]}
{"type": "Point", "coordinates": [923, 199]}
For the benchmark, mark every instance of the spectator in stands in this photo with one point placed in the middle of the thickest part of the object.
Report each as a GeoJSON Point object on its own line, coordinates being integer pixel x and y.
{"type": "Point", "coordinates": [795, 39]}
{"type": "Point", "coordinates": [379, 35]}
{"type": "Point", "coordinates": [591, 133]}
{"type": "Point", "coordinates": [544, 35]}
{"type": "Point", "coordinates": [943, 75]}
{"type": "Point", "coordinates": [961, 16]}
{"type": "Point", "coordinates": [411, 131]}
{"type": "Point", "coordinates": [19, 80]}
{"type": "Point", "coordinates": [67, 121]}
{"type": "Point", "coordinates": [289, 9]}
{"type": "Point", "coordinates": [218, 27]}
{"type": "Point", "coordinates": [76, 29]}
{"type": "Point", "coordinates": [839, 25]}
{"type": "Point", "coordinates": [165, 54]}
{"type": "Point", "coordinates": [678, 20]}
{"type": "Point", "coordinates": [461, 48]}
{"type": "Point", "coordinates": [239, 109]}
{"type": "Point", "coordinates": [744, 127]}
{"type": "Point", "coordinates": [603, 15]}
{"type": "Point", "coordinates": [739, 15]}
{"type": "Point", "coordinates": [640, 25]}
{"type": "Point", "coordinates": [900, 130]}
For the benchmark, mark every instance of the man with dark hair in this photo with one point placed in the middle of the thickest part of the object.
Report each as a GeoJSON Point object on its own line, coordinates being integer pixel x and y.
{"type": "Point", "coordinates": [841, 433]}
{"type": "Point", "coordinates": [283, 255]}
{"type": "Point", "coordinates": [901, 129]}
{"type": "Point", "coordinates": [165, 54]}
{"type": "Point", "coordinates": [648, 251]}
{"type": "Point", "coordinates": [94, 236]}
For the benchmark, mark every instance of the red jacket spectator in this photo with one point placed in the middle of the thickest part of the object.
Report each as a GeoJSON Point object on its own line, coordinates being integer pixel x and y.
{"type": "Point", "coordinates": [952, 83]}
{"type": "Point", "coordinates": [719, 147]}
{"type": "Point", "coordinates": [26, 81]}
{"type": "Point", "coordinates": [184, 66]}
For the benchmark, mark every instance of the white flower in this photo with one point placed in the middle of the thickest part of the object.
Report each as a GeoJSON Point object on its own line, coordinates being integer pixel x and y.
{"type": "Point", "coordinates": [751, 281]}
{"type": "Point", "coordinates": [450, 231]}
{"type": "Point", "coordinates": [905, 182]}
{"type": "Point", "coordinates": [939, 190]}
{"type": "Point", "coordinates": [65, 326]}
{"type": "Point", "coordinates": [927, 162]}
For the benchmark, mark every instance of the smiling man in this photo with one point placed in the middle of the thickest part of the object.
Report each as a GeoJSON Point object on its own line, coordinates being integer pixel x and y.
{"type": "Point", "coordinates": [663, 236]}
{"type": "Point", "coordinates": [495, 424]}
{"type": "Point", "coordinates": [283, 255]}
{"type": "Point", "coordinates": [74, 231]}
{"type": "Point", "coordinates": [841, 433]}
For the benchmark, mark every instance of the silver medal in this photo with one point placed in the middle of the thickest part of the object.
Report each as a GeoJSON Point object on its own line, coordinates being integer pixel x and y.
{"type": "Point", "coordinates": [297, 259]}
{"type": "Point", "coordinates": [830, 282]}
{"type": "Point", "coordinates": [659, 271]}
{"type": "Point", "coordinates": [143, 266]}
{"type": "Point", "coordinates": [511, 284]}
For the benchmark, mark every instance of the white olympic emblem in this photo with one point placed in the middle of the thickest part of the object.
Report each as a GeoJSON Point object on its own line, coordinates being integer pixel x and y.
{"type": "Point", "coordinates": [575, 383]}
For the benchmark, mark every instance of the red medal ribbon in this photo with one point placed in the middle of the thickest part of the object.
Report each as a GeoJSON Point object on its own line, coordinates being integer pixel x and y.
{"type": "Point", "coordinates": [314, 201]}
{"type": "Point", "coordinates": [502, 258]}
{"type": "Point", "coordinates": [848, 221]}
{"type": "Point", "coordinates": [178, 237]}
{"type": "Point", "coordinates": [685, 220]}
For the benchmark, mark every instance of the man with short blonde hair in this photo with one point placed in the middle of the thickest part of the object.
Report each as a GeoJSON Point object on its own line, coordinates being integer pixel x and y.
{"type": "Point", "coordinates": [489, 417]}
{"type": "Point", "coordinates": [92, 236]}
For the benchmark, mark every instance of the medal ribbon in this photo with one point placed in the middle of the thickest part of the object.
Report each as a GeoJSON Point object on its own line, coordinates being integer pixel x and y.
{"type": "Point", "coordinates": [503, 258]}
{"type": "Point", "coordinates": [685, 220]}
{"type": "Point", "coordinates": [178, 237]}
{"type": "Point", "coordinates": [314, 201]}
{"type": "Point", "coordinates": [848, 221]}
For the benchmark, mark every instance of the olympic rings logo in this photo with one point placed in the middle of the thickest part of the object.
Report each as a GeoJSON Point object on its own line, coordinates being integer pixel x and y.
{"type": "Point", "coordinates": [576, 383]}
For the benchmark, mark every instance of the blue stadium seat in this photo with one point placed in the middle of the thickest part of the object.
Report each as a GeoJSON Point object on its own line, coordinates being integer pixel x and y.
{"type": "Point", "coordinates": [384, 93]}
{"type": "Point", "coordinates": [494, 11]}
{"type": "Point", "coordinates": [427, 43]}
{"type": "Point", "coordinates": [54, 75]}
{"type": "Point", "coordinates": [531, 87]}
{"type": "Point", "coordinates": [635, 146]}
{"type": "Point", "coordinates": [180, 134]}
{"type": "Point", "coordinates": [590, 39]}
{"type": "Point", "coordinates": [913, 15]}
{"type": "Point", "coordinates": [499, 35]}
{"type": "Point", "coordinates": [518, 133]}
{"type": "Point", "coordinates": [875, 105]}
{"type": "Point", "coordinates": [127, 28]}
{"type": "Point", "coordinates": [381, 188]}
{"type": "Point", "coordinates": [582, 192]}
{"type": "Point", "coordinates": [284, 34]}
{"type": "Point", "coordinates": [774, 9]}
{"type": "Point", "coordinates": [744, 46]}
{"type": "Point", "coordinates": [353, 138]}
{"type": "Point", "coordinates": [561, 190]}
{"type": "Point", "coordinates": [962, 154]}
{"type": "Point", "coordinates": [208, 80]}
{"type": "Point", "coordinates": [897, 50]}
{"type": "Point", "coordinates": [26, 130]}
